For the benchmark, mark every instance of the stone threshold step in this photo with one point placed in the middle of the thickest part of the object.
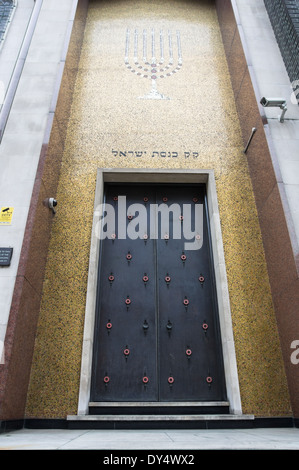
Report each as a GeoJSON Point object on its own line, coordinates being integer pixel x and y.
{"type": "Point", "coordinates": [161, 408]}
{"type": "Point", "coordinates": [168, 417]}
{"type": "Point", "coordinates": [158, 403]}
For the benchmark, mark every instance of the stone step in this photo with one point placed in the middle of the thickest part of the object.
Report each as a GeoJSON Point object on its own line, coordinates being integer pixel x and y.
{"type": "Point", "coordinates": [157, 408]}
{"type": "Point", "coordinates": [160, 421]}
{"type": "Point", "coordinates": [152, 417]}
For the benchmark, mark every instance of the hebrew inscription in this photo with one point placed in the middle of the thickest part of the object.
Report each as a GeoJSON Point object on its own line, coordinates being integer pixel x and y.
{"type": "Point", "coordinates": [154, 154]}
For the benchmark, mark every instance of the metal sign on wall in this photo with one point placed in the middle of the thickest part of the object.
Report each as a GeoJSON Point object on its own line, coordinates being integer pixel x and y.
{"type": "Point", "coordinates": [6, 215]}
{"type": "Point", "coordinates": [5, 256]}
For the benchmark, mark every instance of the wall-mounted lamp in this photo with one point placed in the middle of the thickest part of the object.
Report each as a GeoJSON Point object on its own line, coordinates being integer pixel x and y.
{"type": "Point", "coordinates": [277, 103]}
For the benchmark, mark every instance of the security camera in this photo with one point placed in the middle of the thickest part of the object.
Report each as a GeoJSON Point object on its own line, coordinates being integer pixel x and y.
{"type": "Point", "coordinates": [277, 103]}
{"type": "Point", "coordinates": [52, 204]}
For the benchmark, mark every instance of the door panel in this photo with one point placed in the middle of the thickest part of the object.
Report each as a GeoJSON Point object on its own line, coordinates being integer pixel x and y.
{"type": "Point", "coordinates": [156, 335]}
{"type": "Point", "coordinates": [189, 353]}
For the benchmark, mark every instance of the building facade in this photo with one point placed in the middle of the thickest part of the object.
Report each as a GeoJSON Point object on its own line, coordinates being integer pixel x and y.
{"type": "Point", "coordinates": [112, 113]}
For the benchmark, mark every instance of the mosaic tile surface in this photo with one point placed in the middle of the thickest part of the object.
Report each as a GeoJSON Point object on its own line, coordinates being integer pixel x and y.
{"type": "Point", "coordinates": [197, 127]}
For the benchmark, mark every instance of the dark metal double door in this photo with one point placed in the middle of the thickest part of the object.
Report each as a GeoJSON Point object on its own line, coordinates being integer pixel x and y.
{"type": "Point", "coordinates": [157, 335]}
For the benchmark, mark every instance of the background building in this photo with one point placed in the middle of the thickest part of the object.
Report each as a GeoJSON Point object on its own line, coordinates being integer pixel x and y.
{"type": "Point", "coordinates": [72, 121]}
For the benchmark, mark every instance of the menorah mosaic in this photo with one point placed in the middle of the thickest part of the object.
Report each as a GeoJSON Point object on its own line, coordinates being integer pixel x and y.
{"type": "Point", "coordinates": [154, 68]}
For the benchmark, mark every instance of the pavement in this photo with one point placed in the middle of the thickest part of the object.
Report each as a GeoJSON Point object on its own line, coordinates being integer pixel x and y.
{"type": "Point", "coordinates": [148, 440]}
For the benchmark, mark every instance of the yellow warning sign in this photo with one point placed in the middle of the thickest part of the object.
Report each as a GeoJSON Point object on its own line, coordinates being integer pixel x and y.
{"type": "Point", "coordinates": [6, 215]}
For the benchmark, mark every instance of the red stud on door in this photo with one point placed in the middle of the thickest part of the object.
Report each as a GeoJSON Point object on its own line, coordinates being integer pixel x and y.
{"type": "Point", "coordinates": [188, 352]}
{"type": "Point", "coordinates": [128, 302]}
{"type": "Point", "coordinates": [126, 352]}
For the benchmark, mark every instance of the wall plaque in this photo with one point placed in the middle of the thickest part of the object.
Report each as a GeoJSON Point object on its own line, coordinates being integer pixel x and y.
{"type": "Point", "coordinates": [5, 256]}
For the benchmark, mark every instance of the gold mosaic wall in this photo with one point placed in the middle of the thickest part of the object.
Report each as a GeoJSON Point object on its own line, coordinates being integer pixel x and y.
{"type": "Point", "coordinates": [197, 127]}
